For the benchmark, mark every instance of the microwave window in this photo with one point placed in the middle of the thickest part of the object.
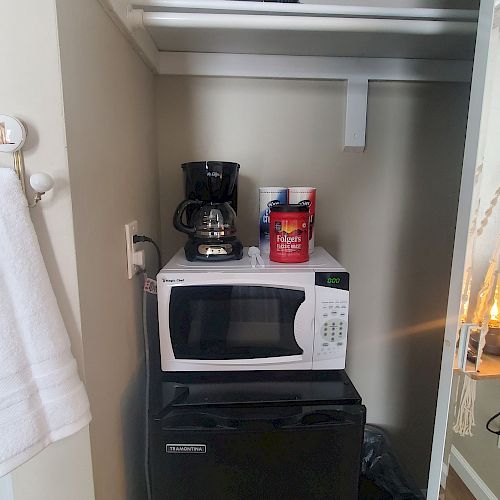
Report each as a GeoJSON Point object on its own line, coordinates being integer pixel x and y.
{"type": "Point", "coordinates": [233, 322]}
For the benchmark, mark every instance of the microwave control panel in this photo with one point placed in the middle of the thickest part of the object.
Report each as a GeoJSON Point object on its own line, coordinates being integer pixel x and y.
{"type": "Point", "coordinates": [332, 311]}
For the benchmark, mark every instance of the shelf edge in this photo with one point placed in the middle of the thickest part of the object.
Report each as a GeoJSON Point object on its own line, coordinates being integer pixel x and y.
{"type": "Point", "coordinates": [312, 67]}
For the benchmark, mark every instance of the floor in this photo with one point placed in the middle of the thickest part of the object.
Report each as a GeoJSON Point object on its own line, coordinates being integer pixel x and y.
{"type": "Point", "coordinates": [455, 488]}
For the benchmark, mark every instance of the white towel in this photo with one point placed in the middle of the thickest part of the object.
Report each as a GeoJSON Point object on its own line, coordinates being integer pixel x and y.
{"type": "Point", "coordinates": [41, 396]}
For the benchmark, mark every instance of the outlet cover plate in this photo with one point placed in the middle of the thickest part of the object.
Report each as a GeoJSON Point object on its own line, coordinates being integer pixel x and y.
{"type": "Point", "coordinates": [131, 229]}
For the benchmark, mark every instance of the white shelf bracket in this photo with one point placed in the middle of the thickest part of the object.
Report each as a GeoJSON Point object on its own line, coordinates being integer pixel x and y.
{"type": "Point", "coordinates": [355, 114]}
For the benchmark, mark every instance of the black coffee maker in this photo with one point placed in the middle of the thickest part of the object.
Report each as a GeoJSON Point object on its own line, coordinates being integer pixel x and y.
{"type": "Point", "coordinates": [211, 189]}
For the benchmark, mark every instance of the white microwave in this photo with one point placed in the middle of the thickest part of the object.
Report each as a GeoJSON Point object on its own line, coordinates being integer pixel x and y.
{"type": "Point", "coordinates": [229, 316]}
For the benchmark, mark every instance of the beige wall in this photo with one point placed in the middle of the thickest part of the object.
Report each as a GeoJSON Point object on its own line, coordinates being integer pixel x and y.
{"type": "Point", "coordinates": [388, 214]}
{"type": "Point", "coordinates": [30, 88]}
{"type": "Point", "coordinates": [108, 98]}
{"type": "Point", "coordinates": [481, 449]}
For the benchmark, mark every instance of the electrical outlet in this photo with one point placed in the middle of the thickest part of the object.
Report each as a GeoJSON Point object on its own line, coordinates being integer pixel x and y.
{"type": "Point", "coordinates": [135, 259]}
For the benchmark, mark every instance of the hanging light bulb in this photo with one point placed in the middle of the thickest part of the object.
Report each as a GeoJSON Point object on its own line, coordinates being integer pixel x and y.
{"type": "Point", "coordinates": [493, 336]}
{"type": "Point", "coordinates": [486, 313]}
{"type": "Point", "coordinates": [494, 322]}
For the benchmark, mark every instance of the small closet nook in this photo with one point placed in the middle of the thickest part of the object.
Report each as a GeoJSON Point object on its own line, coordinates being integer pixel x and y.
{"type": "Point", "coordinates": [376, 110]}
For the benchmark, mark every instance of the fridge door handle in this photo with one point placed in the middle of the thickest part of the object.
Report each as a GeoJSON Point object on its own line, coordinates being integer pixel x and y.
{"type": "Point", "coordinates": [181, 394]}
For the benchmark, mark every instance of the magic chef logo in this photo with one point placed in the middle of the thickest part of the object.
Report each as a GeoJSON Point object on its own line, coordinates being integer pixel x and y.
{"type": "Point", "coordinates": [186, 448]}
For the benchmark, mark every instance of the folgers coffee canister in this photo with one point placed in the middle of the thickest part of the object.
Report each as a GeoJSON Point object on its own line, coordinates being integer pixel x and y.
{"type": "Point", "coordinates": [289, 232]}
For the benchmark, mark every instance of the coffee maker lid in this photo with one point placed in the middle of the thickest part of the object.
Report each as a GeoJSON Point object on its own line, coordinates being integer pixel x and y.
{"type": "Point", "coordinates": [209, 164]}
{"type": "Point", "coordinates": [211, 181]}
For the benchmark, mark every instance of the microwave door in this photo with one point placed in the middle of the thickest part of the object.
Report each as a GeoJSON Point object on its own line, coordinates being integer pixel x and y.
{"type": "Point", "coordinates": [239, 327]}
{"type": "Point", "coordinates": [223, 322]}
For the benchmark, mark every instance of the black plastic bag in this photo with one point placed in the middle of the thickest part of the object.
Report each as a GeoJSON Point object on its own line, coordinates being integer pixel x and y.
{"type": "Point", "coordinates": [380, 467]}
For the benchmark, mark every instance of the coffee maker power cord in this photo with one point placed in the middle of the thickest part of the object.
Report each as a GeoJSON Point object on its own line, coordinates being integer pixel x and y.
{"type": "Point", "coordinates": [142, 238]}
{"type": "Point", "coordinates": [146, 398]}
{"type": "Point", "coordinates": [488, 428]}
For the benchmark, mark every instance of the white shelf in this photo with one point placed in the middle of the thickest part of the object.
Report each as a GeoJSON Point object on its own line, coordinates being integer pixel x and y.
{"type": "Point", "coordinates": [305, 29]}
{"type": "Point", "coordinates": [307, 40]}
{"type": "Point", "coordinates": [223, 26]}
{"type": "Point", "coordinates": [306, 7]}
{"type": "Point", "coordinates": [313, 67]}
{"type": "Point", "coordinates": [306, 36]}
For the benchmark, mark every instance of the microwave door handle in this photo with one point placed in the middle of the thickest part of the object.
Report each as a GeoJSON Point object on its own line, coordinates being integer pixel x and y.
{"type": "Point", "coordinates": [307, 336]}
{"type": "Point", "coordinates": [311, 329]}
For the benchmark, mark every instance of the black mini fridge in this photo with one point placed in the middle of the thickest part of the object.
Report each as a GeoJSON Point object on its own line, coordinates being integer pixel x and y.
{"type": "Point", "coordinates": [268, 436]}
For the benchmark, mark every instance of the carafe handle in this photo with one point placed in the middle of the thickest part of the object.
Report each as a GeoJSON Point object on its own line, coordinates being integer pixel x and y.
{"type": "Point", "coordinates": [179, 211]}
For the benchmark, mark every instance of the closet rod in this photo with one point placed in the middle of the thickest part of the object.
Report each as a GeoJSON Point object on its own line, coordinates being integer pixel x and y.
{"type": "Point", "coordinates": [294, 23]}
{"type": "Point", "coordinates": [310, 9]}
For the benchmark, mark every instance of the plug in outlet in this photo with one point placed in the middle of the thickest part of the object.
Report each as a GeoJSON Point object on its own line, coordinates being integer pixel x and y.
{"type": "Point", "coordinates": [135, 258]}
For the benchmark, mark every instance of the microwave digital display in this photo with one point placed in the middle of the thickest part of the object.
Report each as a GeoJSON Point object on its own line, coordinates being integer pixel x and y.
{"type": "Point", "coordinates": [338, 280]}
{"type": "Point", "coordinates": [233, 322]}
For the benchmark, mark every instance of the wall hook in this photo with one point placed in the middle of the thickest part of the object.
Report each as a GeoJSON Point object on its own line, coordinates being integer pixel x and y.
{"type": "Point", "coordinates": [12, 138]}
{"type": "Point", "coordinates": [41, 183]}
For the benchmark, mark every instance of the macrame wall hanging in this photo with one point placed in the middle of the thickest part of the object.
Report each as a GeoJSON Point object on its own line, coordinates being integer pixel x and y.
{"type": "Point", "coordinates": [485, 326]}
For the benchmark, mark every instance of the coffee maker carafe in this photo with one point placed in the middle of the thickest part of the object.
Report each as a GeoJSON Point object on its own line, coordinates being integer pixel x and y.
{"type": "Point", "coordinates": [210, 208]}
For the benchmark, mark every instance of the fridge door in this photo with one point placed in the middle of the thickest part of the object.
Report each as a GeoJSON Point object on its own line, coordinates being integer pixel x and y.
{"type": "Point", "coordinates": [289, 452]}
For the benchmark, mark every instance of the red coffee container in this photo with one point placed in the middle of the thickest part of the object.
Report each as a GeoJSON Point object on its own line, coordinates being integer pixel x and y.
{"type": "Point", "coordinates": [289, 233]}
